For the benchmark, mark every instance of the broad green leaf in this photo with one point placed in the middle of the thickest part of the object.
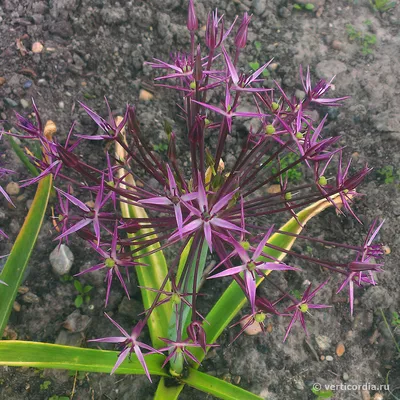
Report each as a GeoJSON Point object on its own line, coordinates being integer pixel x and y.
{"type": "Point", "coordinates": [165, 392]}
{"type": "Point", "coordinates": [15, 353]}
{"type": "Point", "coordinates": [78, 301]}
{"type": "Point", "coordinates": [153, 275]}
{"type": "Point", "coordinates": [182, 260]}
{"type": "Point", "coordinates": [17, 261]}
{"type": "Point", "coordinates": [254, 65]}
{"type": "Point", "coordinates": [87, 289]}
{"type": "Point", "coordinates": [217, 387]}
{"type": "Point", "coordinates": [78, 286]}
{"type": "Point", "coordinates": [22, 156]}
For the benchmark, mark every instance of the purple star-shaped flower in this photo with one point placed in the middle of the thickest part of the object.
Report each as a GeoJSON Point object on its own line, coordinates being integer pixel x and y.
{"type": "Point", "coordinates": [130, 344]}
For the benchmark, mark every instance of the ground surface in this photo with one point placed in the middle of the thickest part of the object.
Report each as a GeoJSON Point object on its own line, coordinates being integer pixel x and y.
{"type": "Point", "coordinates": [94, 48]}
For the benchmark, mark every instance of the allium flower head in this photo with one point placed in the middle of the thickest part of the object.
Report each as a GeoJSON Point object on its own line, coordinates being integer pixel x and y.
{"type": "Point", "coordinates": [129, 344]}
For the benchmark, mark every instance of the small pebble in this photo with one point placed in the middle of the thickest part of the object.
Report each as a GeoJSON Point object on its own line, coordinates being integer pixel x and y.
{"type": "Point", "coordinates": [24, 103]}
{"type": "Point", "coordinates": [145, 95]}
{"type": "Point", "coordinates": [23, 289]}
{"type": "Point", "coordinates": [61, 105]}
{"type": "Point", "coordinates": [323, 342]}
{"type": "Point", "coordinates": [340, 349]}
{"type": "Point", "coordinates": [30, 298]}
{"type": "Point", "coordinates": [2, 80]}
{"type": "Point", "coordinates": [237, 379]}
{"type": "Point", "coordinates": [76, 322]}
{"type": "Point", "coordinates": [284, 12]}
{"type": "Point", "coordinates": [37, 47]}
{"type": "Point", "coordinates": [273, 66]}
{"type": "Point", "coordinates": [337, 45]}
{"type": "Point", "coordinates": [322, 358]}
{"type": "Point", "coordinates": [252, 329]}
{"type": "Point", "coordinates": [365, 394]}
{"type": "Point", "coordinates": [27, 84]}
{"type": "Point", "coordinates": [21, 198]}
{"type": "Point", "coordinates": [345, 376]}
{"type": "Point", "coordinates": [61, 259]}
{"type": "Point", "coordinates": [16, 306]}
{"type": "Point", "coordinates": [329, 358]}
{"type": "Point", "coordinates": [378, 396]}
{"type": "Point", "coordinates": [10, 102]}
{"type": "Point", "coordinates": [386, 249]}
{"type": "Point", "coordinates": [12, 188]}
{"type": "Point", "coordinates": [273, 189]}
{"type": "Point", "coordinates": [10, 333]}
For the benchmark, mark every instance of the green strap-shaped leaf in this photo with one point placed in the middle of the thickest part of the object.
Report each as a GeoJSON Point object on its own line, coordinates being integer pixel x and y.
{"type": "Point", "coordinates": [17, 353]}
{"type": "Point", "coordinates": [217, 387]}
{"type": "Point", "coordinates": [153, 275]}
{"type": "Point", "coordinates": [22, 156]}
{"type": "Point", "coordinates": [233, 299]}
{"type": "Point", "coordinates": [18, 259]}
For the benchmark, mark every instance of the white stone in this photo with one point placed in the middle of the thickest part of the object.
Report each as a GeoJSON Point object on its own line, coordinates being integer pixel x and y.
{"type": "Point", "coordinates": [61, 259]}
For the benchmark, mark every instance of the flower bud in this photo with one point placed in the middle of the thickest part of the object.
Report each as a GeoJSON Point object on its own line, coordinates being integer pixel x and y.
{"type": "Point", "coordinates": [241, 35]}
{"type": "Point", "coordinates": [192, 23]}
{"type": "Point", "coordinates": [197, 333]}
{"type": "Point", "coordinates": [198, 68]}
{"type": "Point", "coordinates": [171, 152]}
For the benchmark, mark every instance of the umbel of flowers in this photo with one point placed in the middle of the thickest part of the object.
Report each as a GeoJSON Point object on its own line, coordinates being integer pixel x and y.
{"type": "Point", "coordinates": [209, 208]}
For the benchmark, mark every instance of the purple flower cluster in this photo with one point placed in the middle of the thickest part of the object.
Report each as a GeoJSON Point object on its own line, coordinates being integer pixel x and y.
{"type": "Point", "coordinates": [225, 207]}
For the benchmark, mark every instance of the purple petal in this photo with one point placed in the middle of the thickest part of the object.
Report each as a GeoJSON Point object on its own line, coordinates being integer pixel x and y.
{"type": "Point", "coordinates": [102, 123]}
{"type": "Point", "coordinates": [74, 200]}
{"type": "Point", "coordinates": [190, 227]}
{"type": "Point", "coordinates": [208, 234]}
{"type": "Point", "coordinates": [112, 339]}
{"type": "Point", "coordinates": [163, 201]}
{"type": "Point", "coordinates": [251, 288]}
{"type": "Point", "coordinates": [229, 272]}
{"type": "Point", "coordinates": [231, 67]}
{"type": "Point", "coordinates": [120, 359]}
{"type": "Point", "coordinates": [222, 202]}
{"type": "Point", "coordinates": [261, 245]}
{"type": "Point", "coordinates": [140, 357]}
{"type": "Point", "coordinates": [119, 327]}
{"type": "Point", "coordinates": [213, 108]}
{"type": "Point", "coordinates": [225, 224]}
{"type": "Point", "coordinates": [81, 224]}
{"type": "Point", "coordinates": [202, 195]}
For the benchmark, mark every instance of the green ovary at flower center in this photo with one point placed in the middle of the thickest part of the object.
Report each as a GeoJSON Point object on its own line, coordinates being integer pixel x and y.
{"type": "Point", "coordinates": [260, 317]}
{"type": "Point", "coordinates": [206, 216]}
{"type": "Point", "coordinates": [303, 308]}
{"type": "Point", "coordinates": [176, 299]}
{"type": "Point", "coordinates": [245, 244]}
{"type": "Point", "coordinates": [322, 180]}
{"type": "Point", "coordinates": [109, 263]}
{"type": "Point", "coordinates": [251, 265]}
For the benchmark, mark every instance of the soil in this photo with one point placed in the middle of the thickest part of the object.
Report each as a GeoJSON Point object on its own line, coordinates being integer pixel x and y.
{"type": "Point", "coordinates": [96, 48]}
